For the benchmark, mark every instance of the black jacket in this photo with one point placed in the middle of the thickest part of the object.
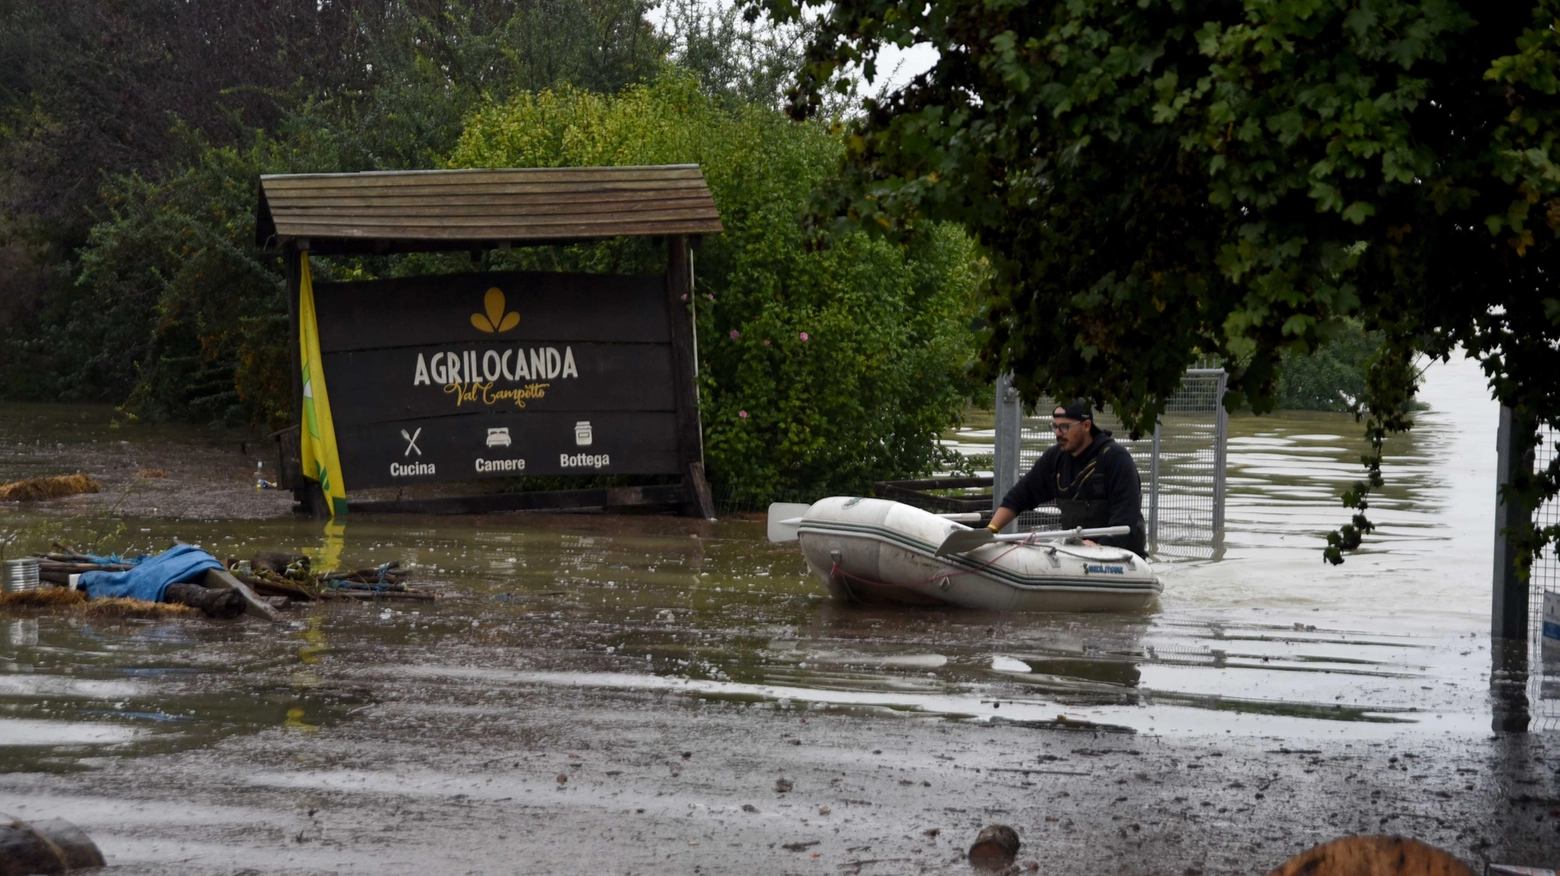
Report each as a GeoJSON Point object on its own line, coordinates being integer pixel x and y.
{"type": "Point", "coordinates": [1103, 474]}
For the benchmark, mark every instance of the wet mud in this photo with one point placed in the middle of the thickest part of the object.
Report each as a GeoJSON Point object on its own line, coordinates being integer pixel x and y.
{"type": "Point", "coordinates": [654, 695]}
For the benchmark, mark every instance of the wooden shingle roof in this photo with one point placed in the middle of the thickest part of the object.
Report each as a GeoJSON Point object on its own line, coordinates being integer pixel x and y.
{"type": "Point", "coordinates": [402, 211]}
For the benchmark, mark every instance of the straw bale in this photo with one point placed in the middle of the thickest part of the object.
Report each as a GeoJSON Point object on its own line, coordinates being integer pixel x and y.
{"type": "Point", "coordinates": [48, 597]}
{"type": "Point", "coordinates": [33, 489]}
{"type": "Point", "coordinates": [134, 608]}
{"type": "Point", "coordinates": [76, 602]}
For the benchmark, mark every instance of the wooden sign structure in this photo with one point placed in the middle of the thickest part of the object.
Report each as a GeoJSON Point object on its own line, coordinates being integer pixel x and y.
{"type": "Point", "coordinates": [499, 375]}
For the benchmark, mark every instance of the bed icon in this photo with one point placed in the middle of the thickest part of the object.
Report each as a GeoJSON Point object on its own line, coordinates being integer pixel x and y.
{"type": "Point", "coordinates": [498, 436]}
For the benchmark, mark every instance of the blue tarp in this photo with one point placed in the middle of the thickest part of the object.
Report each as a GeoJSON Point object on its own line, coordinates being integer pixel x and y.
{"type": "Point", "coordinates": [151, 575]}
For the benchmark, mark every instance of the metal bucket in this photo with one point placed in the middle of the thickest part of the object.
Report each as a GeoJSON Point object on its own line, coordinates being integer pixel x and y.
{"type": "Point", "coordinates": [19, 575]}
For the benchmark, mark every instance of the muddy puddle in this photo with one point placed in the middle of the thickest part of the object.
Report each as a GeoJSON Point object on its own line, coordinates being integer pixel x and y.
{"type": "Point", "coordinates": [1263, 640]}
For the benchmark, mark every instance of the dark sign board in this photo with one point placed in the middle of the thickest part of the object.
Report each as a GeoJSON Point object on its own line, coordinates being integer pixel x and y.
{"type": "Point", "coordinates": [464, 376]}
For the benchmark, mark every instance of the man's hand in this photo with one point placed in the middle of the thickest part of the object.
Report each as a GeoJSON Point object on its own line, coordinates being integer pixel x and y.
{"type": "Point", "coordinates": [1091, 542]}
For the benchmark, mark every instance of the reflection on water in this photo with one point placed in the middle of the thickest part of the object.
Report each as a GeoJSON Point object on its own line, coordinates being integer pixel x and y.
{"type": "Point", "coordinates": [1267, 640]}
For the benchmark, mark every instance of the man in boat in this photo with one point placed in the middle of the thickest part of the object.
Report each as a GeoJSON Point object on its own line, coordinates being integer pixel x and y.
{"type": "Point", "coordinates": [1090, 477]}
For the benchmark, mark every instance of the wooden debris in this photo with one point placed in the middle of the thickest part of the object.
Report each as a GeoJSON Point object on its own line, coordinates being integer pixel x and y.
{"type": "Point", "coordinates": [52, 846]}
{"type": "Point", "coordinates": [278, 562]}
{"type": "Point", "coordinates": [995, 847]}
{"type": "Point", "coordinates": [221, 579]}
{"type": "Point", "coordinates": [271, 581]}
{"type": "Point", "coordinates": [1373, 856]}
{"type": "Point", "coordinates": [34, 489]}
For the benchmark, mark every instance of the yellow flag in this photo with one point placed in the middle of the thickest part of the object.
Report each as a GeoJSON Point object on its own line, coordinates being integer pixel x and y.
{"type": "Point", "coordinates": [320, 460]}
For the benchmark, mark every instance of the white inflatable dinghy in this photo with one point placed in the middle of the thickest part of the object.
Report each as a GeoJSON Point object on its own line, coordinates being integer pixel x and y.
{"type": "Point", "coordinates": [877, 550]}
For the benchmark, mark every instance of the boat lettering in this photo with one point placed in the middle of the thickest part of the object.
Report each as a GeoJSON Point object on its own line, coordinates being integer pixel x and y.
{"type": "Point", "coordinates": [1104, 570]}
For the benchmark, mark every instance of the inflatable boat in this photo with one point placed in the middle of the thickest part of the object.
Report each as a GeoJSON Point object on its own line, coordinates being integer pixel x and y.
{"type": "Point", "coordinates": [877, 550]}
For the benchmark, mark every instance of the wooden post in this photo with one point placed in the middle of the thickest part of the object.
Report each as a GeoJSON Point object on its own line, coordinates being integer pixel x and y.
{"type": "Point", "coordinates": [685, 369]}
{"type": "Point", "coordinates": [292, 263]}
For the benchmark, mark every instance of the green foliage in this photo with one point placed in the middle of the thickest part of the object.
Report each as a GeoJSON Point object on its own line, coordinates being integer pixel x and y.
{"type": "Point", "coordinates": [824, 363]}
{"type": "Point", "coordinates": [171, 309]}
{"type": "Point", "coordinates": [1161, 179]}
{"type": "Point", "coordinates": [1331, 377]}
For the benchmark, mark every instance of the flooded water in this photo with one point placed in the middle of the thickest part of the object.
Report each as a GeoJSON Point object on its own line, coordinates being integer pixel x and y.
{"type": "Point", "coordinates": [1265, 640]}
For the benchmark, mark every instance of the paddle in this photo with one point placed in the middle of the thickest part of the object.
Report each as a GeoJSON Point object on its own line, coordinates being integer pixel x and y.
{"type": "Point", "coordinates": [970, 539]}
{"type": "Point", "coordinates": [965, 540]}
{"type": "Point", "coordinates": [784, 518]}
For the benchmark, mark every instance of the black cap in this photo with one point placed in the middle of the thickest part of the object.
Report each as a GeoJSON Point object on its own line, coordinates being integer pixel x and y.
{"type": "Point", "coordinates": [1077, 409]}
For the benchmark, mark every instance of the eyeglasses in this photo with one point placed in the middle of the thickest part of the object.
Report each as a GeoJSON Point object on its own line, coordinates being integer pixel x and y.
{"type": "Point", "coordinates": [1062, 427]}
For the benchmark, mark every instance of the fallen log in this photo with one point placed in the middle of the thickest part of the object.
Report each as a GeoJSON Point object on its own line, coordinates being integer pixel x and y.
{"type": "Point", "coordinates": [78, 568]}
{"type": "Point", "coordinates": [995, 847]}
{"type": "Point", "coordinates": [52, 846]}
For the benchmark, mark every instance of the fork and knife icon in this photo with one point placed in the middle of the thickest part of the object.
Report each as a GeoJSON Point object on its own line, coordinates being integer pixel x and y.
{"type": "Point", "coordinates": [411, 442]}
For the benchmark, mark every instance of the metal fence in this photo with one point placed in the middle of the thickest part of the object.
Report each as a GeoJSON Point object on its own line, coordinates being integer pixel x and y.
{"type": "Point", "coordinates": [1544, 679]}
{"type": "Point", "coordinates": [1182, 464]}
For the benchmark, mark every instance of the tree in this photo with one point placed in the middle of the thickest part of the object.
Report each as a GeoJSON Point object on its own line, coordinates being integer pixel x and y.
{"type": "Point", "coordinates": [89, 87]}
{"type": "Point", "coordinates": [822, 367]}
{"type": "Point", "coordinates": [132, 136]}
{"type": "Point", "coordinates": [1157, 180]}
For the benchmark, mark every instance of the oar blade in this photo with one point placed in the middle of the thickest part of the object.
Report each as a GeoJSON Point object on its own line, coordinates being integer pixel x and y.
{"type": "Point", "coordinates": [965, 540]}
{"type": "Point", "coordinates": [784, 519]}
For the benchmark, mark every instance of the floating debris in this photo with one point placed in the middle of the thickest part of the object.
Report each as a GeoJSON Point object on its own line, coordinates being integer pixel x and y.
{"type": "Point", "coordinates": [35, 489]}
{"type": "Point", "coordinates": [279, 574]}
{"type": "Point", "coordinates": [75, 601]}
{"type": "Point", "coordinates": [259, 587]}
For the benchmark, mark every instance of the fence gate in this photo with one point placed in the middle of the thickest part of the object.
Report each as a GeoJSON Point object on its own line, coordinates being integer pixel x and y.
{"type": "Point", "coordinates": [1544, 606]}
{"type": "Point", "coordinates": [1182, 464]}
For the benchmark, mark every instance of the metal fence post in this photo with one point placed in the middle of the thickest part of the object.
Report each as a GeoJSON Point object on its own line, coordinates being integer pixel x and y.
{"type": "Point", "coordinates": [1004, 472]}
{"type": "Point", "coordinates": [1153, 493]}
{"type": "Point", "coordinates": [1509, 605]}
{"type": "Point", "coordinates": [1221, 434]}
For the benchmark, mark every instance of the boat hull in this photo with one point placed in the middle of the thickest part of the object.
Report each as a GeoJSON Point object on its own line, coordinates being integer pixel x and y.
{"type": "Point", "coordinates": [876, 550]}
